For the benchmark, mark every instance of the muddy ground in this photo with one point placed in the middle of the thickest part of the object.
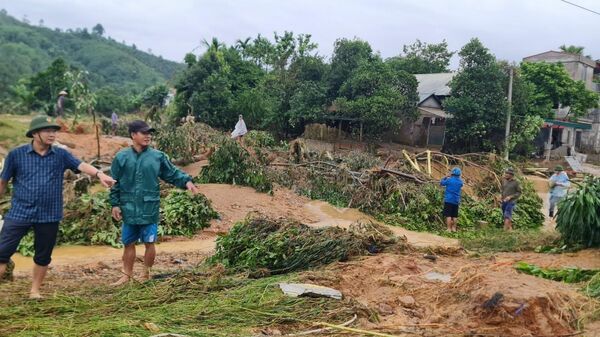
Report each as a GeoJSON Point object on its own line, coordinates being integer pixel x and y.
{"type": "Point", "coordinates": [399, 286]}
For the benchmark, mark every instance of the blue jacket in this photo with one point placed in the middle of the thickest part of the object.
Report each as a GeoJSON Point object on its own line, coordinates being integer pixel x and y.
{"type": "Point", "coordinates": [453, 187]}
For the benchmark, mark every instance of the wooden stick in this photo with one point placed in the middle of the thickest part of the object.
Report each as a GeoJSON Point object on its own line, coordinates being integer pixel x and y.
{"type": "Point", "coordinates": [414, 164]}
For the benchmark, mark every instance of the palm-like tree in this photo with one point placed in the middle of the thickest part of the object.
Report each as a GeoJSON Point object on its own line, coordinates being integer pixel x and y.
{"type": "Point", "coordinates": [572, 49]}
{"type": "Point", "coordinates": [213, 45]}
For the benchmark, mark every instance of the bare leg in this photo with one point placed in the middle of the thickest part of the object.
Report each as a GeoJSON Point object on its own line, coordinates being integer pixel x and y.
{"type": "Point", "coordinates": [149, 257]}
{"type": "Point", "coordinates": [454, 223]}
{"type": "Point", "coordinates": [39, 273]}
{"type": "Point", "coordinates": [449, 224]}
{"type": "Point", "coordinates": [508, 224]}
{"type": "Point", "coordinates": [2, 269]}
{"type": "Point", "coordinates": [128, 260]}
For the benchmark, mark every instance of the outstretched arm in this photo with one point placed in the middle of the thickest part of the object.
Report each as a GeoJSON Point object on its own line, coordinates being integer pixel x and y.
{"type": "Point", "coordinates": [105, 180]}
{"type": "Point", "coordinates": [174, 176]}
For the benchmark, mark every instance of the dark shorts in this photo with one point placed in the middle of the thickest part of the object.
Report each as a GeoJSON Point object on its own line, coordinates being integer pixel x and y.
{"type": "Point", "coordinates": [44, 240]}
{"type": "Point", "coordinates": [450, 210]}
{"type": "Point", "coordinates": [508, 208]}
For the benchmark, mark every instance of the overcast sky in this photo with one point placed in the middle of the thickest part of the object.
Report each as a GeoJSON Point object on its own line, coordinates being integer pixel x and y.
{"type": "Point", "coordinates": [511, 29]}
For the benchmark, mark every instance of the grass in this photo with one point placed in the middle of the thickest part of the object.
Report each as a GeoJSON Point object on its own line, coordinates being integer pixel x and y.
{"type": "Point", "coordinates": [497, 240]}
{"type": "Point", "coordinates": [12, 130]}
{"type": "Point", "coordinates": [189, 304]}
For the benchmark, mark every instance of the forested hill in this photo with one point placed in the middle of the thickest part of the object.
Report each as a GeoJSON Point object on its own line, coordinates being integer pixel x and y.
{"type": "Point", "coordinates": [26, 49]}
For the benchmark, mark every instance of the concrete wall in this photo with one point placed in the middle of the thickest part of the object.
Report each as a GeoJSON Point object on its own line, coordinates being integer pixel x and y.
{"type": "Point", "coordinates": [581, 72]}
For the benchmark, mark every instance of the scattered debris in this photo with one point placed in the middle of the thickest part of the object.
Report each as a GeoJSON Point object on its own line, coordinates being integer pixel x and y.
{"type": "Point", "coordinates": [435, 276]}
{"type": "Point", "coordinates": [430, 257]}
{"type": "Point", "coordinates": [151, 327]}
{"type": "Point", "coordinates": [309, 290]}
{"type": "Point", "coordinates": [493, 302]}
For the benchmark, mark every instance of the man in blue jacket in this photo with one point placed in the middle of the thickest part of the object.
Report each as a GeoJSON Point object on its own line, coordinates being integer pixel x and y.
{"type": "Point", "coordinates": [453, 185]}
{"type": "Point", "coordinates": [135, 198]}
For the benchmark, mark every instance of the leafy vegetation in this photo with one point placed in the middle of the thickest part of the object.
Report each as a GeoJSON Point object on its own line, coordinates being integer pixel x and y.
{"type": "Point", "coordinates": [491, 240]}
{"type": "Point", "coordinates": [231, 164]}
{"type": "Point", "coordinates": [27, 50]}
{"type": "Point", "coordinates": [185, 214]}
{"type": "Point", "coordinates": [567, 275]}
{"type": "Point", "coordinates": [478, 101]}
{"type": "Point", "coordinates": [189, 303]}
{"type": "Point", "coordinates": [423, 58]}
{"type": "Point", "coordinates": [552, 85]}
{"type": "Point", "coordinates": [260, 139]}
{"type": "Point", "coordinates": [282, 246]}
{"type": "Point", "coordinates": [578, 218]}
{"type": "Point", "coordinates": [88, 220]}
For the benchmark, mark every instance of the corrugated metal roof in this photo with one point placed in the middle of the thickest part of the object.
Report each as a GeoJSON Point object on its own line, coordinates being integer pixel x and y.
{"type": "Point", "coordinates": [433, 84]}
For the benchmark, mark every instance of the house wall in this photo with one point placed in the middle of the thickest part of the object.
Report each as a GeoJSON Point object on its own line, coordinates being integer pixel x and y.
{"type": "Point", "coordinates": [581, 72]}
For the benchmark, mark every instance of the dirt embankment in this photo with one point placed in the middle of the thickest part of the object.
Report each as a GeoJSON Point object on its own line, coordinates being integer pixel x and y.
{"type": "Point", "coordinates": [480, 297]}
{"type": "Point", "coordinates": [84, 146]}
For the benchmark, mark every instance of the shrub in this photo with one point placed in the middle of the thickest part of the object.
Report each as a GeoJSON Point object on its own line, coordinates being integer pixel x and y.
{"type": "Point", "coordinates": [578, 218]}
{"type": "Point", "coordinates": [185, 214]}
{"type": "Point", "coordinates": [231, 164]}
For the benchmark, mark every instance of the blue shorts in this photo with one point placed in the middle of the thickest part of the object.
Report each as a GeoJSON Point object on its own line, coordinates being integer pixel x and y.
{"type": "Point", "coordinates": [144, 233]}
{"type": "Point", "coordinates": [507, 209]}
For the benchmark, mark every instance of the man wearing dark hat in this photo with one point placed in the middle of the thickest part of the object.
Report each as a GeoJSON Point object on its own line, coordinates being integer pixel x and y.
{"type": "Point", "coordinates": [559, 185]}
{"type": "Point", "coordinates": [37, 170]}
{"type": "Point", "coordinates": [511, 191]}
{"type": "Point", "coordinates": [136, 195]}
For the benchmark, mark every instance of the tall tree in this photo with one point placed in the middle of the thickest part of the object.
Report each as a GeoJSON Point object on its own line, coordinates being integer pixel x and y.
{"type": "Point", "coordinates": [552, 86]}
{"type": "Point", "coordinates": [98, 30]}
{"type": "Point", "coordinates": [477, 103]}
{"type": "Point", "coordinates": [347, 56]}
{"type": "Point", "coordinates": [380, 96]}
{"type": "Point", "coordinates": [423, 58]}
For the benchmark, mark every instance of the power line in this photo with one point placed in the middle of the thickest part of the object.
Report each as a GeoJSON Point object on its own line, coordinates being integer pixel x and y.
{"type": "Point", "coordinates": [576, 5]}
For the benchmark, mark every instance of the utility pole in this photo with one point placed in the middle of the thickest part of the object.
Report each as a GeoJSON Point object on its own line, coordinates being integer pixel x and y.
{"type": "Point", "coordinates": [507, 129]}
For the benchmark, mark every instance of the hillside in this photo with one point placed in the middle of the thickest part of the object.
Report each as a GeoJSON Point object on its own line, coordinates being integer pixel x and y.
{"type": "Point", "coordinates": [27, 49]}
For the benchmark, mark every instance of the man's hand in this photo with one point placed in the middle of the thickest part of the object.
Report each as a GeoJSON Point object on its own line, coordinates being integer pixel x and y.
{"type": "Point", "coordinates": [192, 188]}
{"type": "Point", "coordinates": [106, 180]}
{"type": "Point", "coordinates": [507, 199]}
{"type": "Point", "coordinates": [116, 213]}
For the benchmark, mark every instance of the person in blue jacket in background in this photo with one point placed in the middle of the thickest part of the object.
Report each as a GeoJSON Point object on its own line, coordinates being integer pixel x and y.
{"type": "Point", "coordinates": [453, 185]}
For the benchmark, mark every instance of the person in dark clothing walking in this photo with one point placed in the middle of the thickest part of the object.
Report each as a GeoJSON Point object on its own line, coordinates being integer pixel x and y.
{"type": "Point", "coordinates": [37, 171]}
{"type": "Point", "coordinates": [453, 185]}
{"type": "Point", "coordinates": [511, 191]}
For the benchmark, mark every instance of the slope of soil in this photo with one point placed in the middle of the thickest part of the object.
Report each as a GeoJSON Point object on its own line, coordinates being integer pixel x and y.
{"type": "Point", "coordinates": [397, 288]}
{"type": "Point", "coordinates": [84, 146]}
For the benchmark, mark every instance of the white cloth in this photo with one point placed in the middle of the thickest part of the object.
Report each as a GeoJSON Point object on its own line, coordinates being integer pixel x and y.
{"type": "Point", "coordinates": [240, 129]}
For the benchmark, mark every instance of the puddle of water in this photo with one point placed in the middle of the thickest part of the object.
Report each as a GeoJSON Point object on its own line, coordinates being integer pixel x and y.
{"type": "Point", "coordinates": [76, 255]}
{"type": "Point", "coordinates": [329, 215]}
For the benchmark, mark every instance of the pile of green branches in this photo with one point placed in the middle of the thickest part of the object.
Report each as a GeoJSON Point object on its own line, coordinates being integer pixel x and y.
{"type": "Point", "coordinates": [185, 214]}
{"type": "Point", "coordinates": [256, 138]}
{"type": "Point", "coordinates": [282, 246]}
{"type": "Point", "coordinates": [578, 218]}
{"type": "Point", "coordinates": [192, 303]}
{"type": "Point", "coordinates": [567, 275]}
{"type": "Point", "coordinates": [232, 164]}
